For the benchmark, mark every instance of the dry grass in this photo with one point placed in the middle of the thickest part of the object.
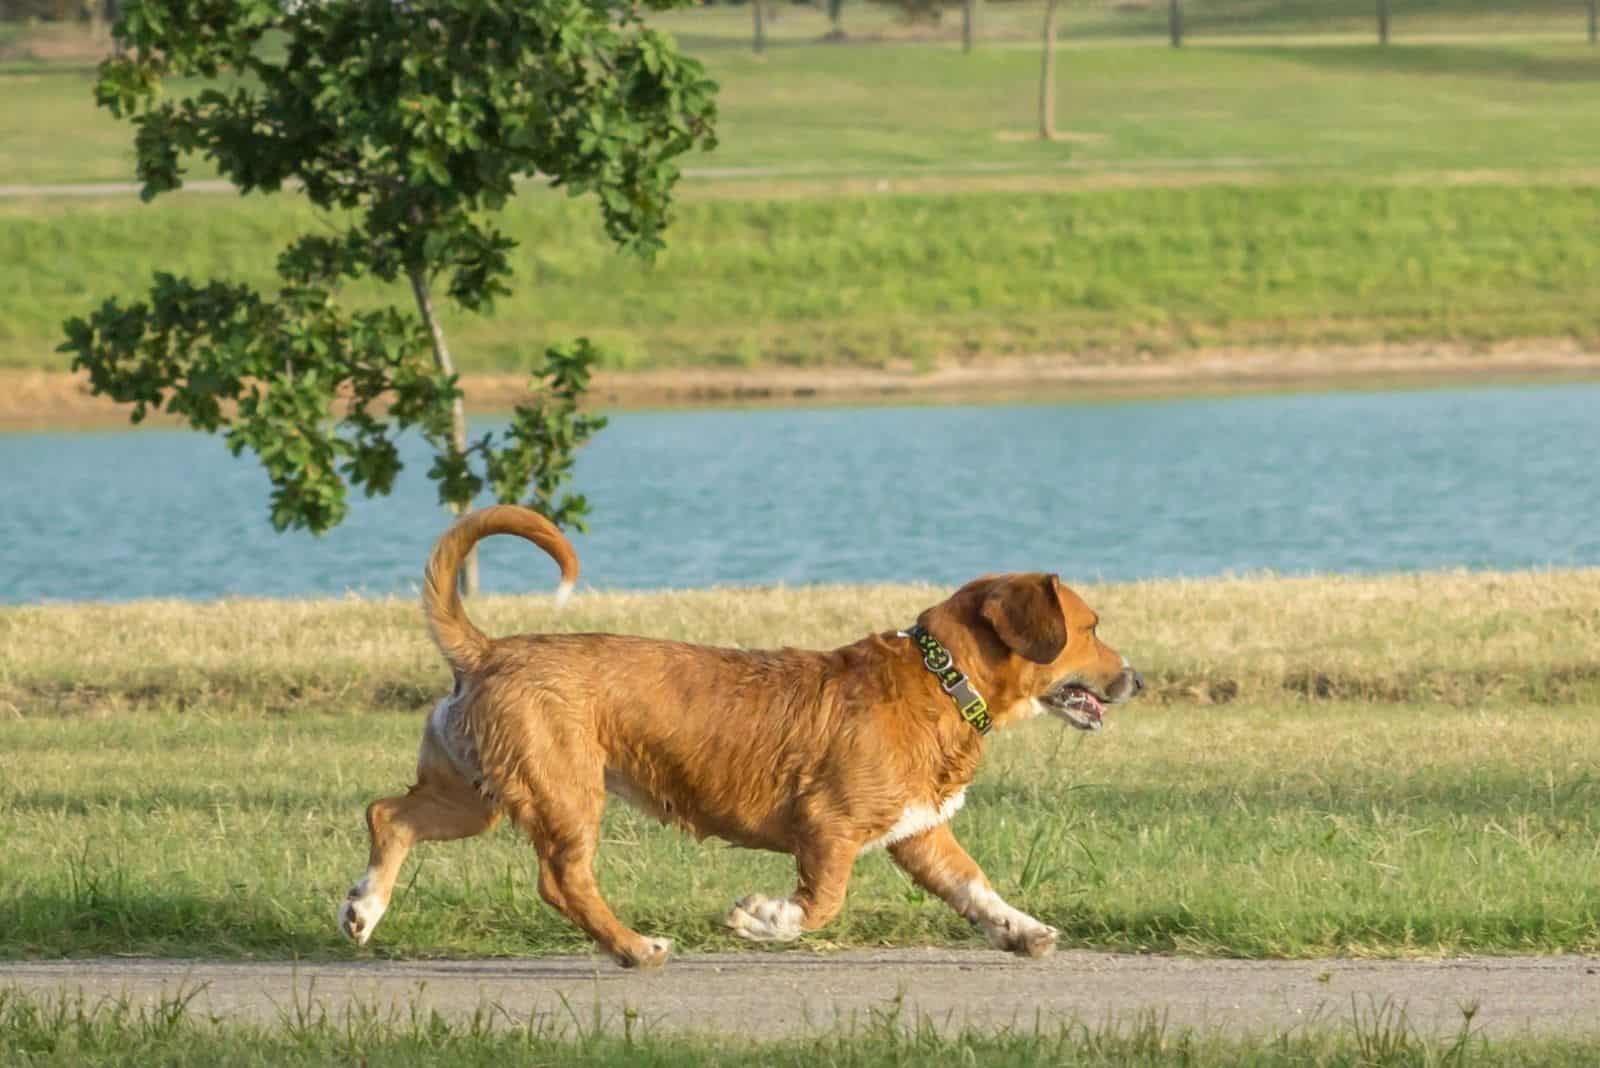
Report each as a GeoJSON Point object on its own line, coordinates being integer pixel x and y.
{"type": "Point", "coordinates": [1458, 638]}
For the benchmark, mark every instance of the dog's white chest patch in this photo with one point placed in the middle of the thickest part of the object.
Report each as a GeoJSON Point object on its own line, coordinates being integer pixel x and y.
{"type": "Point", "coordinates": [918, 818]}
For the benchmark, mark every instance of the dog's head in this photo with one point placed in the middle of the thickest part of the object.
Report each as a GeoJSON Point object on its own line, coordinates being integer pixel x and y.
{"type": "Point", "coordinates": [1030, 644]}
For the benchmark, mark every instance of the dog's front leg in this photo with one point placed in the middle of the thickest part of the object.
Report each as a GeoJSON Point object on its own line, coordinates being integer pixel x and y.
{"type": "Point", "coordinates": [824, 868]}
{"type": "Point", "coordinates": [939, 865]}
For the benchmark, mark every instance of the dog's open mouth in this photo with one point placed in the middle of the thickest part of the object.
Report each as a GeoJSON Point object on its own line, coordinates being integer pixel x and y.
{"type": "Point", "coordinates": [1078, 705]}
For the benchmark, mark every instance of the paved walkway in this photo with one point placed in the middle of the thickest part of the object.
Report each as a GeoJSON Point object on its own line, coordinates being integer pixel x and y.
{"type": "Point", "coordinates": [775, 993]}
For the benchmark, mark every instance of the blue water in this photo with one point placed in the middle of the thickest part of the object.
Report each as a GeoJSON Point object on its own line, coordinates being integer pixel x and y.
{"type": "Point", "coordinates": [1479, 478]}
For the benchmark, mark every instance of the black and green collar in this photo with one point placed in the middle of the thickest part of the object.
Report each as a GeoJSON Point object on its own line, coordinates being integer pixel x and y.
{"type": "Point", "coordinates": [937, 659]}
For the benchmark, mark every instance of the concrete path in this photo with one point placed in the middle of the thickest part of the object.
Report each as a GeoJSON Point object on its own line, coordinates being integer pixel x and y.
{"type": "Point", "coordinates": [776, 993]}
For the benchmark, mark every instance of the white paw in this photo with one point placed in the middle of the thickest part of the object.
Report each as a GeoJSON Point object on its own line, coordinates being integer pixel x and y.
{"type": "Point", "coordinates": [1023, 935]}
{"type": "Point", "coordinates": [764, 919]}
{"type": "Point", "coordinates": [360, 913]}
{"type": "Point", "coordinates": [655, 954]}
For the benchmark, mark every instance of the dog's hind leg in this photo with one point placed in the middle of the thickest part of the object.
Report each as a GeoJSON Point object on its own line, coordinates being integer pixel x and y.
{"type": "Point", "coordinates": [442, 806]}
{"type": "Point", "coordinates": [564, 825]}
{"type": "Point", "coordinates": [824, 866]}
{"type": "Point", "coordinates": [939, 865]}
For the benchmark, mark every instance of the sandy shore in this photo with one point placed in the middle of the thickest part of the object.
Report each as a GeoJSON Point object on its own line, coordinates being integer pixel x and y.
{"type": "Point", "coordinates": [35, 400]}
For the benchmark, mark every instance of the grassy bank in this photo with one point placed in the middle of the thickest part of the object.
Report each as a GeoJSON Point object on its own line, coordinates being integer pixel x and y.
{"type": "Point", "coordinates": [1374, 767]}
{"type": "Point", "coordinates": [871, 279]}
{"type": "Point", "coordinates": [1220, 196]}
{"type": "Point", "coordinates": [65, 1032]}
{"type": "Point", "coordinates": [884, 107]}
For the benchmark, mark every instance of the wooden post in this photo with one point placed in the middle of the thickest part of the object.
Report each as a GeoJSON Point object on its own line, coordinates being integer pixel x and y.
{"type": "Point", "coordinates": [1383, 22]}
{"type": "Point", "coordinates": [1047, 75]}
{"type": "Point", "coordinates": [1175, 23]}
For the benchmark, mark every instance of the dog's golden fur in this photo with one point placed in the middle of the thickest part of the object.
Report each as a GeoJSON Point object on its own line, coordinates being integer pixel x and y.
{"type": "Point", "coordinates": [816, 754]}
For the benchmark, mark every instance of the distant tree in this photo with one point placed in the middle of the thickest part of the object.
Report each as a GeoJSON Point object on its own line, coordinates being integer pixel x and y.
{"type": "Point", "coordinates": [1174, 24]}
{"type": "Point", "coordinates": [409, 123]}
{"type": "Point", "coordinates": [969, 24]}
{"type": "Point", "coordinates": [1594, 21]}
{"type": "Point", "coordinates": [836, 20]}
{"type": "Point", "coordinates": [1047, 75]}
{"type": "Point", "coordinates": [758, 12]}
{"type": "Point", "coordinates": [1383, 22]}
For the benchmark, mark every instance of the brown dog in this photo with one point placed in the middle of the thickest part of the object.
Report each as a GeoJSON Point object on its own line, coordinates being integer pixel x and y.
{"type": "Point", "coordinates": [818, 754]}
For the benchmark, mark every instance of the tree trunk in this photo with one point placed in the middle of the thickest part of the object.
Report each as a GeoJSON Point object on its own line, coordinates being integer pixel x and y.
{"type": "Point", "coordinates": [758, 12]}
{"type": "Point", "coordinates": [1594, 20]}
{"type": "Point", "coordinates": [1174, 23]}
{"type": "Point", "coordinates": [468, 578]}
{"type": "Point", "coordinates": [969, 23]}
{"type": "Point", "coordinates": [1047, 75]}
{"type": "Point", "coordinates": [1383, 22]}
{"type": "Point", "coordinates": [113, 14]}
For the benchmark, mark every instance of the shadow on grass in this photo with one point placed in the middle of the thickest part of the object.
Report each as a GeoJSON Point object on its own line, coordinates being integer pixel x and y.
{"type": "Point", "coordinates": [97, 916]}
{"type": "Point", "coordinates": [1267, 17]}
{"type": "Point", "coordinates": [1437, 60]}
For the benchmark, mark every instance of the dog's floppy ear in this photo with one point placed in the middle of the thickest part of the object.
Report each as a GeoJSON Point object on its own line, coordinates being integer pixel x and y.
{"type": "Point", "coordinates": [1026, 613]}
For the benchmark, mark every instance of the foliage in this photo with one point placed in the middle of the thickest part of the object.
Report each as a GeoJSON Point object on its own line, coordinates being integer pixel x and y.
{"type": "Point", "coordinates": [410, 125]}
{"type": "Point", "coordinates": [542, 437]}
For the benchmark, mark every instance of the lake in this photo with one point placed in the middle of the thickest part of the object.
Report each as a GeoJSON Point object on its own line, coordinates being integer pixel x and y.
{"type": "Point", "coordinates": [1498, 477]}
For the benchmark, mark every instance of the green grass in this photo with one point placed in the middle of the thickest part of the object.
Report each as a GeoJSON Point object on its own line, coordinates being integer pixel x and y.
{"type": "Point", "coordinates": [1381, 767]}
{"type": "Point", "coordinates": [67, 1031]}
{"type": "Point", "coordinates": [873, 280]}
{"type": "Point", "coordinates": [1342, 216]}
{"type": "Point", "coordinates": [1183, 830]}
{"type": "Point", "coordinates": [1146, 20]}
{"type": "Point", "coordinates": [887, 108]}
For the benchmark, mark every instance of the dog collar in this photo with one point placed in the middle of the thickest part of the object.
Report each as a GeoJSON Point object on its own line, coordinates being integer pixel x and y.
{"type": "Point", "coordinates": [937, 659]}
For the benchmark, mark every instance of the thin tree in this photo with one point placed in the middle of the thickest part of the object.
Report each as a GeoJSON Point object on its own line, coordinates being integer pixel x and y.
{"type": "Point", "coordinates": [969, 24]}
{"type": "Point", "coordinates": [758, 12]}
{"type": "Point", "coordinates": [1383, 22]}
{"type": "Point", "coordinates": [1047, 75]}
{"type": "Point", "coordinates": [410, 125]}
{"type": "Point", "coordinates": [836, 20]}
{"type": "Point", "coordinates": [1174, 24]}
{"type": "Point", "coordinates": [1594, 21]}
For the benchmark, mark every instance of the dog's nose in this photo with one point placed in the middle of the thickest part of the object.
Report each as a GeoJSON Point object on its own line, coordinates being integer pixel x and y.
{"type": "Point", "coordinates": [1130, 683]}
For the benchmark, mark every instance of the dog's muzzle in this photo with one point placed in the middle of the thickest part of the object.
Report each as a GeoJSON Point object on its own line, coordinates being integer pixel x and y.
{"type": "Point", "coordinates": [1083, 706]}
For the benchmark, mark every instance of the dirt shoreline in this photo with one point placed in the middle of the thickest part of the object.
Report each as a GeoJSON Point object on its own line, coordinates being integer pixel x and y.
{"type": "Point", "coordinates": [795, 992]}
{"type": "Point", "coordinates": [42, 400]}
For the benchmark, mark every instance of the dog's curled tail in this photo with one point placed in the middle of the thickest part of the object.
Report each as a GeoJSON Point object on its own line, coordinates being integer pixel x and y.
{"type": "Point", "coordinates": [462, 643]}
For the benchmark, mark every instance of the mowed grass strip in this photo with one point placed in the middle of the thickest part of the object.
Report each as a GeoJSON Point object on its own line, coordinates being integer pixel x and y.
{"type": "Point", "coordinates": [1260, 830]}
{"type": "Point", "coordinates": [1291, 820]}
{"type": "Point", "coordinates": [871, 280]}
{"type": "Point", "coordinates": [885, 107]}
{"type": "Point", "coordinates": [70, 1031]}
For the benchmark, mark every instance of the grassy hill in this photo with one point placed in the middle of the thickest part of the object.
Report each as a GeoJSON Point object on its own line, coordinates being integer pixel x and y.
{"type": "Point", "coordinates": [1309, 193]}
